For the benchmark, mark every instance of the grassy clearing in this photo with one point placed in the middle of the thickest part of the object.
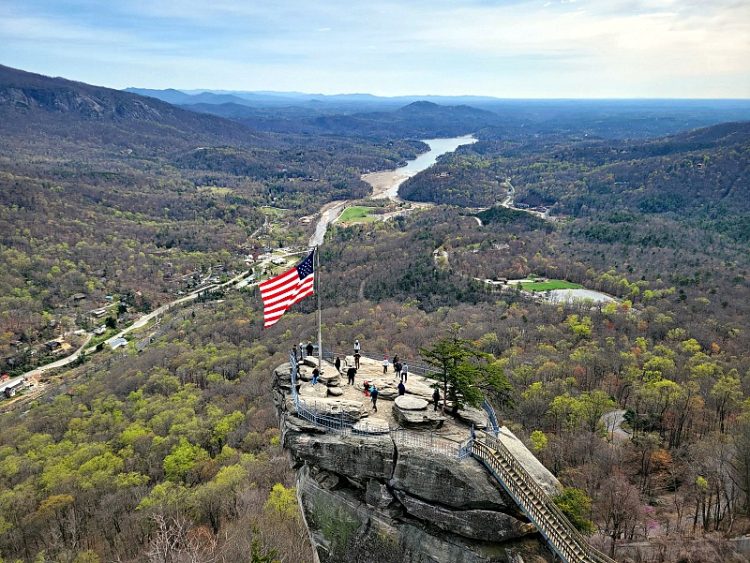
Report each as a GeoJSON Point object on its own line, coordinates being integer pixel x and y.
{"type": "Point", "coordinates": [549, 285]}
{"type": "Point", "coordinates": [215, 190]}
{"type": "Point", "coordinates": [357, 213]}
{"type": "Point", "coordinates": [271, 212]}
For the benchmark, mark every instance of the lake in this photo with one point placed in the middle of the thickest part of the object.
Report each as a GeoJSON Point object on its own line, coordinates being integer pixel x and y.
{"type": "Point", "coordinates": [385, 184]}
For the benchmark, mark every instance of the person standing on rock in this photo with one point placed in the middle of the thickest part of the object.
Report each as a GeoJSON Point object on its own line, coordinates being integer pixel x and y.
{"type": "Point", "coordinates": [357, 356]}
{"type": "Point", "coordinates": [310, 348]}
{"type": "Point", "coordinates": [301, 351]}
{"type": "Point", "coordinates": [404, 372]}
{"type": "Point", "coordinates": [294, 353]}
{"type": "Point", "coordinates": [374, 397]}
{"type": "Point", "coordinates": [401, 388]}
{"type": "Point", "coordinates": [350, 373]}
{"type": "Point", "coordinates": [316, 375]}
{"type": "Point", "coordinates": [435, 398]}
{"type": "Point", "coordinates": [337, 363]}
{"type": "Point", "coordinates": [397, 367]}
{"type": "Point", "coordinates": [385, 365]}
{"type": "Point", "coordinates": [357, 347]}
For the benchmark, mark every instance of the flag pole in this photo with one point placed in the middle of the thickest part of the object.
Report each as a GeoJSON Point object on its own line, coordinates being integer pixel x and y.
{"type": "Point", "coordinates": [320, 316]}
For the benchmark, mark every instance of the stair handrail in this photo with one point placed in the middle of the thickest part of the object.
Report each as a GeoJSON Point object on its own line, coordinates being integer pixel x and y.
{"type": "Point", "coordinates": [483, 447]}
{"type": "Point", "coordinates": [493, 425]}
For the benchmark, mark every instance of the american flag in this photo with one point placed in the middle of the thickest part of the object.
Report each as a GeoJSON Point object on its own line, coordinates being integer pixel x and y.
{"type": "Point", "coordinates": [282, 291]}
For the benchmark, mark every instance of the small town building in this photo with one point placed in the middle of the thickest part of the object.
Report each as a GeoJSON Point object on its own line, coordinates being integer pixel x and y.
{"type": "Point", "coordinates": [116, 343]}
{"type": "Point", "coordinates": [10, 387]}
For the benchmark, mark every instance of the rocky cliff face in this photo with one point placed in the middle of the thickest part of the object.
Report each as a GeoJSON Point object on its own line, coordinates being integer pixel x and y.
{"type": "Point", "coordinates": [388, 497]}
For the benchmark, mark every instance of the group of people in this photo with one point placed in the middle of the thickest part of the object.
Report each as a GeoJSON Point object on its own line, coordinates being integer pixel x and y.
{"type": "Point", "coordinates": [299, 352]}
{"type": "Point", "coordinates": [400, 369]}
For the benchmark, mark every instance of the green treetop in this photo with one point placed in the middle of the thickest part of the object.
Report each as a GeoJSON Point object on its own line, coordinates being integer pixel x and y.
{"type": "Point", "coordinates": [466, 374]}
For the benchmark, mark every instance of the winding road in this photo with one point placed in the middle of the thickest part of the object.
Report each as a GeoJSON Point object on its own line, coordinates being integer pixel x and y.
{"type": "Point", "coordinates": [613, 423]}
{"type": "Point", "coordinates": [239, 281]}
{"type": "Point", "coordinates": [385, 185]}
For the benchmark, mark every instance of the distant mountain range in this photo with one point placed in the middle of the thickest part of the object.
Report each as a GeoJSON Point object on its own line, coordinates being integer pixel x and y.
{"type": "Point", "coordinates": [274, 99]}
{"type": "Point", "coordinates": [228, 117]}
{"type": "Point", "coordinates": [356, 114]}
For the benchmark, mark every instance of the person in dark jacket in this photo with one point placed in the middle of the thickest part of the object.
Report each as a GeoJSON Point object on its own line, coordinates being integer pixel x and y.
{"type": "Point", "coordinates": [350, 373]}
{"type": "Point", "coordinates": [436, 398]}
{"type": "Point", "coordinates": [357, 356]}
{"type": "Point", "coordinates": [337, 363]}
{"type": "Point", "coordinates": [315, 376]}
{"type": "Point", "coordinates": [401, 388]}
{"type": "Point", "coordinates": [310, 348]}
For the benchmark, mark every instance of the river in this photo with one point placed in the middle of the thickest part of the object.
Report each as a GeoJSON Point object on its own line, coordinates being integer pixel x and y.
{"type": "Point", "coordinates": [385, 184]}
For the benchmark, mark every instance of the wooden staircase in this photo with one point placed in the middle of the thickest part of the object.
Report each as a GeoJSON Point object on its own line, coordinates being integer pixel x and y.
{"type": "Point", "coordinates": [567, 542]}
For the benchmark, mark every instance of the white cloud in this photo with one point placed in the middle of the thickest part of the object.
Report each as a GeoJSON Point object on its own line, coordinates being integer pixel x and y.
{"type": "Point", "coordinates": [537, 48]}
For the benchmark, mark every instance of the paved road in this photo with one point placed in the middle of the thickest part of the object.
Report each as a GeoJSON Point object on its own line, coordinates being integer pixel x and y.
{"type": "Point", "coordinates": [328, 214]}
{"type": "Point", "coordinates": [143, 321]}
{"type": "Point", "coordinates": [613, 423]}
{"type": "Point", "coordinates": [58, 363]}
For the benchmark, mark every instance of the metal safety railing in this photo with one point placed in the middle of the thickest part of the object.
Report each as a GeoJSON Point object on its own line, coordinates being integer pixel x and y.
{"type": "Point", "coordinates": [564, 539]}
{"type": "Point", "coordinates": [493, 425]}
{"type": "Point", "coordinates": [344, 424]}
{"type": "Point", "coordinates": [426, 440]}
{"type": "Point", "coordinates": [414, 368]}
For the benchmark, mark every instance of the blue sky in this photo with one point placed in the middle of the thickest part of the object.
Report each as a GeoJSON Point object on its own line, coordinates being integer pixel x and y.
{"type": "Point", "coordinates": [539, 49]}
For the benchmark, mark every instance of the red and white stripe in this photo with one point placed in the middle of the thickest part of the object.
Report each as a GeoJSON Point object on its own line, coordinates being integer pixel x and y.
{"type": "Point", "coordinates": [281, 292]}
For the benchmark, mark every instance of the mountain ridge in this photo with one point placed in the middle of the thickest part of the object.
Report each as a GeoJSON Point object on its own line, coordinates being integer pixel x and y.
{"type": "Point", "coordinates": [62, 107]}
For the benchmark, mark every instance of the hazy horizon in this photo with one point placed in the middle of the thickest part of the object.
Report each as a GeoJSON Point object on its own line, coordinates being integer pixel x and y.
{"type": "Point", "coordinates": [545, 49]}
{"type": "Point", "coordinates": [194, 91]}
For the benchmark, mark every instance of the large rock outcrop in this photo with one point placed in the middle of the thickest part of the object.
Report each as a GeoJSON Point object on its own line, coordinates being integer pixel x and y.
{"type": "Point", "coordinates": [376, 494]}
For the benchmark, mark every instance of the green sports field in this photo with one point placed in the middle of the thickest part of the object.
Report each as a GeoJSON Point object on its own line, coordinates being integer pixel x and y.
{"type": "Point", "coordinates": [358, 214]}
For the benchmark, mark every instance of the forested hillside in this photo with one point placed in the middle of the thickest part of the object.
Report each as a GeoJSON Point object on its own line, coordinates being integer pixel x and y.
{"type": "Point", "coordinates": [174, 450]}
{"type": "Point", "coordinates": [167, 448]}
{"type": "Point", "coordinates": [106, 193]}
{"type": "Point", "coordinates": [703, 174]}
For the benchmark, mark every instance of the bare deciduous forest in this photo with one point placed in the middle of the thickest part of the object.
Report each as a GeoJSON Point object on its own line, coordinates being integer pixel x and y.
{"type": "Point", "coordinates": [169, 450]}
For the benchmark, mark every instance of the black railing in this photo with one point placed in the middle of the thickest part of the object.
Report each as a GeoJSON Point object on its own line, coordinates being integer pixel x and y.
{"type": "Point", "coordinates": [493, 425]}
{"type": "Point", "coordinates": [414, 368]}
{"type": "Point", "coordinates": [551, 522]}
{"type": "Point", "coordinates": [342, 423]}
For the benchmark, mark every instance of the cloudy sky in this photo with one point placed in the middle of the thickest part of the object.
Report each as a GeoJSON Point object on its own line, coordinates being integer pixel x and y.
{"type": "Point", "coordinates": [505, 48]}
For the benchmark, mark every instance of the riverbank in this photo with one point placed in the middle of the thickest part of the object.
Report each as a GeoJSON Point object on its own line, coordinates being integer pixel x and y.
{"type": "Point", "coordinates": [385, 184]}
